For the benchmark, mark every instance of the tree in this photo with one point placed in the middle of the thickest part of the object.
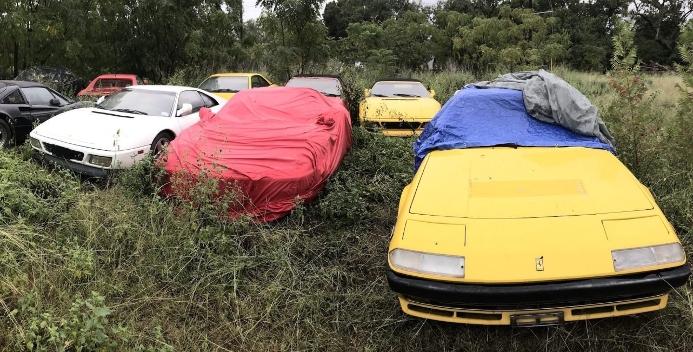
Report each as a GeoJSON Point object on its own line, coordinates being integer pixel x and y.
{"type": "Point", "coordinates": [657, 24]}
{"type": "Point", "coordinates": [340, 13]}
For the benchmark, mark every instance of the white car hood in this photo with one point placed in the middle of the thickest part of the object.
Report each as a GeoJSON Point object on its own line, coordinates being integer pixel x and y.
{"type": "Point", "coordinates": [102, 129]}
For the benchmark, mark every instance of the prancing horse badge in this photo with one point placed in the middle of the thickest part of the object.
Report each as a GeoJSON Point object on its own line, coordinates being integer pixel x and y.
{"type": "Point", "coordinates": [540, 263]}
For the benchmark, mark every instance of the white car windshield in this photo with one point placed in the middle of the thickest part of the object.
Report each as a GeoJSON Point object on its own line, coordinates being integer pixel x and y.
{"type": "Point", "coordinates": [225, 84]}
{"type": "Point", "coordinates": [325, 85]}
{"type": "Point", "coordinates": [141, 102]}
{"type": "Point", "coordinates": [399, 89]}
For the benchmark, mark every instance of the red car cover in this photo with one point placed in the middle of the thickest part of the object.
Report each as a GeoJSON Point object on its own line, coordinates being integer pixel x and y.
{"type": "Point", "coordinates": [274, 145]}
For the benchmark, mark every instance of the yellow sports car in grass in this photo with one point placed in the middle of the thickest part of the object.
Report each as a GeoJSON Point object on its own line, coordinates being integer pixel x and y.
{"type": "Point", "coordinates": [226, 85]}
{"type": "Point", "coordinates": [515, 234]}
{"type": "Point", "coordinates": [398, 107]}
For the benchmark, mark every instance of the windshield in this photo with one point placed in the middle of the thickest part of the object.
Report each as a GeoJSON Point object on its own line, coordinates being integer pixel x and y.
{"type": "Point", "coordinates": [325, 85]}
{"type": "Point", "coordinates": [141, 102]}
{"type": "Point", "coordinates": [399, 89]}
{"type": "Point", "coordinates": [225, 84]}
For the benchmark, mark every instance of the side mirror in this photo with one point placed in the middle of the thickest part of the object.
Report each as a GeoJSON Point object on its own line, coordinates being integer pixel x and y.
{"type": "Point", "coordinates": [100, 100]}
{"type": "Point", "coordinates": [433, 93]}
{"type": "Point", "coordinates": [366, 92]}
{"type": "Point", "coordinates": [54, 102]}
{"type": "Point", "coordinates": [184, 110]}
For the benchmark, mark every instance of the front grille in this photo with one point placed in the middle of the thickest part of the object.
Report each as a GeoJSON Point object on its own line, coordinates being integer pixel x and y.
{"type": "Point", "coordinates": [64, 153]}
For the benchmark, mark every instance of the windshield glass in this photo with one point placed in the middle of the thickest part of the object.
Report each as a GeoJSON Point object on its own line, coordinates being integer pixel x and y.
{"type": "Point", "coordinates": [399, 89]}
{"type": "Point", "coordinates": [141, 102]}
{"type": "Point", "coordinates": [225, 84]}
{"type": "Point", "coordinates": [325, 85]}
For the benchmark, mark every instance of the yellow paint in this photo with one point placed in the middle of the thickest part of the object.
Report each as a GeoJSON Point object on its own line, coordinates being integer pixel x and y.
{"type": "Point", "coordinates": [569, 206]}
{"type": "Point", "coordinates": [415, 110]}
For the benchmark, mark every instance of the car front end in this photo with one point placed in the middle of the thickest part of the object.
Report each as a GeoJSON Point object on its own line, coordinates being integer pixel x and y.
{"type": "Point", "coordinates": [83, 159]}
{"type": "Point", "coordinates": [568, 235]}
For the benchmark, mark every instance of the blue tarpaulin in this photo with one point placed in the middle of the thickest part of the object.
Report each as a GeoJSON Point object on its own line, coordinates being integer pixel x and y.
{"type": "Point", "coordinates": [476, 117]}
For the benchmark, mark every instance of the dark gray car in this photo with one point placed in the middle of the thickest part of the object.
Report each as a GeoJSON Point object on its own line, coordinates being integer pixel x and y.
{"type": "Point", "coordinates": [25, 104]}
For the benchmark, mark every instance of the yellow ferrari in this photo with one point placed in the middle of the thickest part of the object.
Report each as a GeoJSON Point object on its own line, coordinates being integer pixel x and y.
{"type": "Point", "coordinates": [398, 107]}
{"type": "Point", "coordinates": [226, 85]}
{"type": "Point", "coordinates": [527, 235]}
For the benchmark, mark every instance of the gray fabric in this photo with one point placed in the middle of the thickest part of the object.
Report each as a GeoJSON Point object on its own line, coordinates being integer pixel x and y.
{"type": "Point", "coordinates": [550, 99]}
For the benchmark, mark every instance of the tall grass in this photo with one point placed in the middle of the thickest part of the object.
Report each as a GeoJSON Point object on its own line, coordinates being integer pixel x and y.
{"type": "Point", "coordinates": [116, 267]}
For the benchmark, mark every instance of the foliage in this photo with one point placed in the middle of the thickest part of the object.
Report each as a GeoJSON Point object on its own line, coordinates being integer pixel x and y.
{"type": "Point", "coordinates": [638, 126]}
{"type": "Point", "coordinates": [516, 39]}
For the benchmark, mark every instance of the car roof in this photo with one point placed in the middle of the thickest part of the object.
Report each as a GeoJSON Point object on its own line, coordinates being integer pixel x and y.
{"type": "Point", "coordinates": [116, 75]}
{"type": "Point", "coordinates": [235, 74]}
{"type": "Point", "coordinates": [162, 88]}
{"type": "Point", "coordinates": [318, 76]}
{"type": "Point", "coordinates": [398, 80]}
{"type": "Point", "coordinates": [21, 84]}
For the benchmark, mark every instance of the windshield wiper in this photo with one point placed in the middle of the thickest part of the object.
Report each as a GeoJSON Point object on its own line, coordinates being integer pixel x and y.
{"type": "Point", "coordinates": [380, 95]}
{"type": "Point", "coordinates": [406, 95]}
{"type": "Point", "coordinates": [131, 111]}
{"type": "Point", "coordinates": [331, 94]}
{"type": "Point", "coordinates": [224, 91]}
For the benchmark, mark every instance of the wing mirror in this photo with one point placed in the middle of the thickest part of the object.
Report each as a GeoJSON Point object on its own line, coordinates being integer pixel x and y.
{"type": "Point", "coordinates": [100, 100]}
{"type": "Point", "coordinates": [433, 93]}
{"type": "Point", "coordinates": [54, 102]}
{"type": "Point", "coordinates": [184, 110]}
{"type": "Point", "coordinates": [366, 92]}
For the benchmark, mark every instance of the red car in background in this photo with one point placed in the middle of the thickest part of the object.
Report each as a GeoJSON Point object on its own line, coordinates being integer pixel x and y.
{"type": "Point", "coordinates": [109, 83]}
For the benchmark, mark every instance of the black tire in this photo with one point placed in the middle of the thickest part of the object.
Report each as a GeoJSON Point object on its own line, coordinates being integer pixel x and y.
{"type": "Point", "coordinates": [160, 142]}
{"type": "Point", "coordinates": [5, 134]}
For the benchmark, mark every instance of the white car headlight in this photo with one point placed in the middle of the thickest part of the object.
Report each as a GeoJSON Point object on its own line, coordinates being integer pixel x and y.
{"type": "Point", "coordinates": [625, 259]}
{"type": "Point", "coordinates": [427, 263]}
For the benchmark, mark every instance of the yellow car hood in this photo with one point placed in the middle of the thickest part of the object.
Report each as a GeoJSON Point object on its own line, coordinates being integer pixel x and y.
{"type": "Point", "coordinates": [399, 109]}
{"type": "Point", "coordinates": [528, 214]}
{"type": "Point", "coordinates": [526, 182]}
{"type": "Point", "coordinates": [226, 96]}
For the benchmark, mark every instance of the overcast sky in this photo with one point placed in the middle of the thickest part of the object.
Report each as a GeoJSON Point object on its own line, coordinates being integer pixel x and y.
{"type": "Point", "coordinates": [250, 11]}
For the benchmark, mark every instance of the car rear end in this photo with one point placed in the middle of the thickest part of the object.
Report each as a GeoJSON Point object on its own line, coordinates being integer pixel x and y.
{"type": "Point", "coordinates": [530, 236]}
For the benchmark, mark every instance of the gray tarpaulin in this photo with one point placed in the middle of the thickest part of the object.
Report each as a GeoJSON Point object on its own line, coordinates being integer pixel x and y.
{"type": "Point", "coordinates": [550, 99]}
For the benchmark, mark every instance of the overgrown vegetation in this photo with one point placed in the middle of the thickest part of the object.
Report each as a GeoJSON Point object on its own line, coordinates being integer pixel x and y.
{"type": "Point", "coordinates": [88, 266]}
{"type": "Point", "coordinates": [156, 38]}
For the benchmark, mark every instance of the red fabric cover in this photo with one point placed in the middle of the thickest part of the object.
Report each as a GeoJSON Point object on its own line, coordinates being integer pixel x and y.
{"type": "Point", "coordinates": [273, 144]}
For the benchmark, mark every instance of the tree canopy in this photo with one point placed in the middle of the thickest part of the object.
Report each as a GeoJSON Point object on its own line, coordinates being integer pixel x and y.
{"type": "Point", "coordinates": [155, 38]}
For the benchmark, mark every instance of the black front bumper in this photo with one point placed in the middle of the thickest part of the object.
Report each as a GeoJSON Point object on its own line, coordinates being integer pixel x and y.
{"type": "Point", "coordinates": [87, 170]}
{"type": "Point", "coordinates": [539, 295]}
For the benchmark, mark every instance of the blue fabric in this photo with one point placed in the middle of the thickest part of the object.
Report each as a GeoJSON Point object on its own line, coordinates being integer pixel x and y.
{"type": "Point", "coordinates": [493, 116]}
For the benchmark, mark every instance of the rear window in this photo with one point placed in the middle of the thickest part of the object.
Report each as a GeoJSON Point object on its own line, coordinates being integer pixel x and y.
{"type": "Point", "coordinates": [399, 89]}
{"type": "Point", "coordinates": [225, 84]}
{"type": "Point", "coordinates": [113, 83]}
{"type": "Point", "coordinates": [325, 85]}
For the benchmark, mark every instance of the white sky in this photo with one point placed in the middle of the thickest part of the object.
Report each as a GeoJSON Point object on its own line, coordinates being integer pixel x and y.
{"type": "Point", "coordinates": [251, 12]}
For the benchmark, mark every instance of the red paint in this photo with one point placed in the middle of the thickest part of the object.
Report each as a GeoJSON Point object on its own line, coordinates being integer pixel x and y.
{"type": "Point", "coordinates": [109, 83]}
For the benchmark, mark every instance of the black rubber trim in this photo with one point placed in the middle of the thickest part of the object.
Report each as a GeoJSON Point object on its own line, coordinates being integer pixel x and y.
{"type": "Point", "coordinates": [539, 295]}
{"type": "Point", "coordinates": [76, 167]}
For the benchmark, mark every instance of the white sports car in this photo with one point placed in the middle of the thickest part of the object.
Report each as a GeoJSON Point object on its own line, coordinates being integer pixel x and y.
{"type": "Point", "coordinates": [121, 129]}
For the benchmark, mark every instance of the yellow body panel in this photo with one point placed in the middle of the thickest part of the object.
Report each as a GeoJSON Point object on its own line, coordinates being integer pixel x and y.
{"type": "Point", "coordinates": [228, 96]}
{"type": "Point", "coordinates": [503, 208]}
{"type": "Point", "coordinates": [383, 110]}
{"type": "Point", "coordinates": [503, 317]}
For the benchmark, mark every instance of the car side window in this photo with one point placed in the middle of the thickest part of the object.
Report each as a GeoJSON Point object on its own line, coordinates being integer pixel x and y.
{"type": "Point", "coordinates": [257, 82]}
{"type": "Point", "coordinates": [38, 95]}
{"type": "Point", "coordinates": [61, 99]}
{"type": "Point", "coordinates": [14, 98]}
{"type": "Point", "coordinates": [190, 97]}
{"type": "Point", "coordinates": [209, 102]}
